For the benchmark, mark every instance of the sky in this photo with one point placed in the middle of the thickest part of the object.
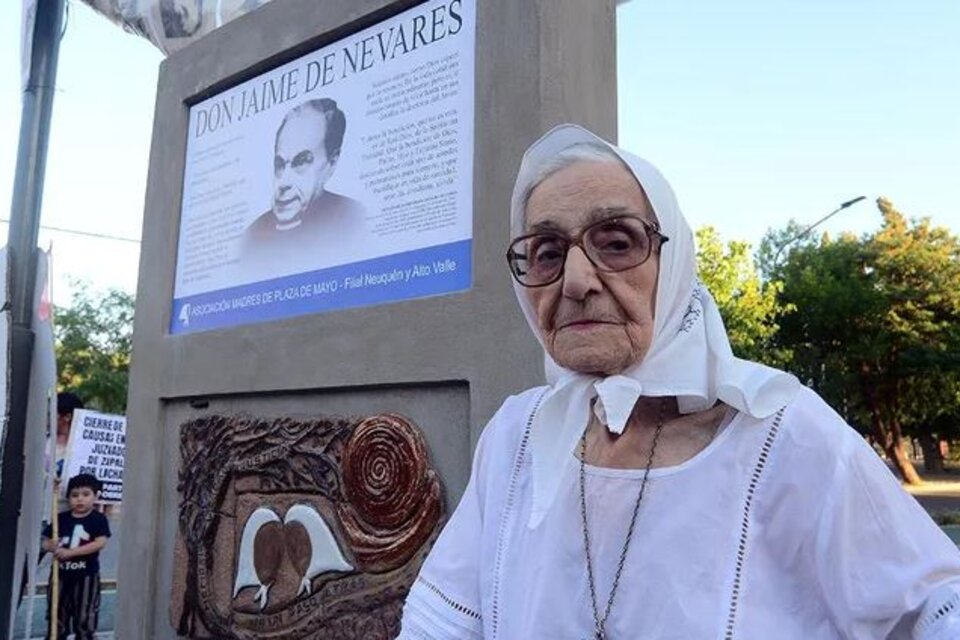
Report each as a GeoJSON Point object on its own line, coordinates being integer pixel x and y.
{"type": "Point", "coordinates": [761, 111]}
{"type": "Point", "coordinates": [99, 145]}
{"type": "Point", "coordinates": [757, 111]}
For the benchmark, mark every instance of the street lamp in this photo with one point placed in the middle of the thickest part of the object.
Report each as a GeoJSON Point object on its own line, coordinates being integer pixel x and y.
{"type": "Point", "coordinates": [843, 206]}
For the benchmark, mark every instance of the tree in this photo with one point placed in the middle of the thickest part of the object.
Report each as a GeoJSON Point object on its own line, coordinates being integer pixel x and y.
{"type": "Point", "coordinates": [776, 246]}
{"type": "Point", "coordinates": [93, 343]}
{"type": "Point", "coordinates": [918, 266]}
{"type": "Point", "coordinates": [749, 307]}
{"type": "Point", "coordinates": [873, 326]}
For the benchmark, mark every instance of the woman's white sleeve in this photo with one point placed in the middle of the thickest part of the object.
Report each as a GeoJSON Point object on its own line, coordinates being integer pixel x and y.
{"type": "Point", "coordinates": [444, 601]}
{"type": "Point", "coordinates": [886, 569]}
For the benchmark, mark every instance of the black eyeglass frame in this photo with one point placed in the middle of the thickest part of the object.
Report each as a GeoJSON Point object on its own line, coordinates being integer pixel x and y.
{"type": "Point", "coordinates": [652, 229]}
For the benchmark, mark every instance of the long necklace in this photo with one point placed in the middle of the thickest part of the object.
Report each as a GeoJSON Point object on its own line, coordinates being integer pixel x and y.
{"type": "Point", "coordinates": [600, 623]}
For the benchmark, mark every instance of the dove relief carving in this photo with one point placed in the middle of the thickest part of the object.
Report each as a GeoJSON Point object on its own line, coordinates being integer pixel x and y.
{"type": "Point", "coordinates": [301, 528]}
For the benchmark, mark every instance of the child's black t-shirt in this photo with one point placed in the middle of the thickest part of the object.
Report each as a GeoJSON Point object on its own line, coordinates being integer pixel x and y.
{"type": "Point", "coordinates": [76, 532]}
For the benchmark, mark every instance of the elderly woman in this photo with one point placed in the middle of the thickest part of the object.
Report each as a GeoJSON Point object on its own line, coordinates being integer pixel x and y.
{"type": "Point", "coordinates": [660, 487]}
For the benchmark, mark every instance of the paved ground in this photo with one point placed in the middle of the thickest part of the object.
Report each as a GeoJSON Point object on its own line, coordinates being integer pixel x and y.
{"type": "Point", "coordinates": [938, 493]}
{"type": "Point", "coordinates": [938, 504]}
{"type": "Point", "coordinates": [108, 600]}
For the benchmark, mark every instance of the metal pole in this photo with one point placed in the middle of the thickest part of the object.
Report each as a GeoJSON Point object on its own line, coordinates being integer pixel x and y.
{"type": "Point", "coordinates": [814, 225]}
{"type": "Point", "coordinates": [22, 260]}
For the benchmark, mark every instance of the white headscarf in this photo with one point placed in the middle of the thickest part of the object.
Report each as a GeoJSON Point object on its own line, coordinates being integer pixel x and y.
{"type": "Point", "coordinates": [689, 357]}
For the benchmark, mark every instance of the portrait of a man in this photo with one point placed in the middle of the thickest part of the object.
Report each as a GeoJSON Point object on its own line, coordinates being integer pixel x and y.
{"type": "Point", "coordinates": [307, 224]}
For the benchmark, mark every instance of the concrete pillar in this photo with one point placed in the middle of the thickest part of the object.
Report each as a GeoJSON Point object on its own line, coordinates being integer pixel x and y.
{"type": "Point", "coordinates": [447, 362]}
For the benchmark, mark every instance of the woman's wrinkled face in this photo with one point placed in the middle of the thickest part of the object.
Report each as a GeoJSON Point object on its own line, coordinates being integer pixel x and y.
{"type": "Point", "coordinates": [592, 321]}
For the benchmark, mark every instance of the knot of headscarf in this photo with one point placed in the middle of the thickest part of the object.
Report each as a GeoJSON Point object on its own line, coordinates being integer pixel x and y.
{"type": "Point", "coordinates": [616, 397]}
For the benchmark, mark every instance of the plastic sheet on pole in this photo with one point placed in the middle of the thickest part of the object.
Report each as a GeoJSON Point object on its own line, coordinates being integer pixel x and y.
{"type": "Point", "coordinates": [38, 441]}
{"type": "Point", "coordinates": [4, 345]}
{"type": "Point", "coordinates": [173, 24]}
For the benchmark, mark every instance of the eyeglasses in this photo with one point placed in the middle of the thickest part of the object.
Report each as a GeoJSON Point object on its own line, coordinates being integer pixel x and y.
{"type": "Point", "coordinates": [613, 244]}
{"type": "Point", "coordinates": [300, 163]}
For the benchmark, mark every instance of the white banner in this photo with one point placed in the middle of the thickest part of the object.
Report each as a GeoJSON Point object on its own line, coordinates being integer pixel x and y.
{"type": "Point", "coordinates": [173, 24]}
{"type": "Point", "coordinates": [341, 179]}
{"type": "Point", "coordinates": [28, 18]}
{"type": "Point", "coordinates": [41, 416]}
{"type": "Point", "coordinates": [97, 446]}
{"type": "Point", "coordinates": [4, 345]}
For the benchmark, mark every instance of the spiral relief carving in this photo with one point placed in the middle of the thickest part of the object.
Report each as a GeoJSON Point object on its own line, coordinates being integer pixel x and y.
{"type": "Point", "coordinates": [393, 497]}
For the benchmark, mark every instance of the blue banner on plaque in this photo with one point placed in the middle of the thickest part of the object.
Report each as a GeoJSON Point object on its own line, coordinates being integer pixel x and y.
{"type": "Point", "coordinates": [403, 276]}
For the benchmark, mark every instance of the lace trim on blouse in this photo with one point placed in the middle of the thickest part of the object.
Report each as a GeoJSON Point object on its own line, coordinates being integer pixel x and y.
{"type": "Point", "coordinates": [465, 610]}
{"type": "Point", "coordinates": [507, 516]}
{"type": "Point", "coordinates": [758, 469]}
{"type": "Point", "coordinates": [432, 614]}
{"type": "Point", "coordinates": [940, 618]}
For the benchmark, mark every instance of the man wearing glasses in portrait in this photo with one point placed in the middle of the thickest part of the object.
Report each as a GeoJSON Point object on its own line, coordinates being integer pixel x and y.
{"type": "Point", "coordinates": [307, 223]}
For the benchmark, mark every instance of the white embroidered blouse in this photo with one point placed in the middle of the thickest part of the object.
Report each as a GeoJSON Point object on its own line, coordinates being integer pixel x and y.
{"type": "Point", "coordinates": [789, 528]}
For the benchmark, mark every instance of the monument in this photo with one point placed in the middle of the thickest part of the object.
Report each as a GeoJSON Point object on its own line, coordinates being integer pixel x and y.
{"type": "Point", "coordinates": [324, 316]}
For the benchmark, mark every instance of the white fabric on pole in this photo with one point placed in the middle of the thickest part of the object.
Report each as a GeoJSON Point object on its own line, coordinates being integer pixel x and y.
{"type": "Point", "coordinates": [41, 418]}
{"type": "Point", "coordinates": [4, 344]}
{"type": "Point", "coordinates": [172, 24]}
{"type": "Point", "coordinates": [28, 17]}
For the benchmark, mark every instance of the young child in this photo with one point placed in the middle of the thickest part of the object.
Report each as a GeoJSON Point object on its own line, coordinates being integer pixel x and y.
{"type": "Point", "coordinates": [83, 533]}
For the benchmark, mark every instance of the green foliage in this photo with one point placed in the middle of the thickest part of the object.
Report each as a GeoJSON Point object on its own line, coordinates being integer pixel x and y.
{"type": "Point", "coordinates": [93, 344]}
{"type": "Point", "coordinates": [918, 271]}
{"type": "Point", "coordinates": [776, 246]}
{"type": "Point", "coordinates": [873, 323]}
{"type": "Point", "coordinates": [829, 324]}
{"type": "Point", "coordinates": [749, 307]}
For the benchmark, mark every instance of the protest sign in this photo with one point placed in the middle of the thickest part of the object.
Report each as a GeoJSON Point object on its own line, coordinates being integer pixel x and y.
{"type": "Point", "coordinates": [97, 446]}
